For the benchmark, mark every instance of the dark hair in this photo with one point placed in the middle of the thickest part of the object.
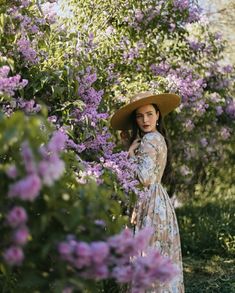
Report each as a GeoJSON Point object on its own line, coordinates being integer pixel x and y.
{"type": "Point", "coordinates": [135, 131]}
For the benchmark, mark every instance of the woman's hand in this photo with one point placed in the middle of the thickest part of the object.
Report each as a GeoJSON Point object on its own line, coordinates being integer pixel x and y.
{"type": "Point", "coordinates": [134, 146]}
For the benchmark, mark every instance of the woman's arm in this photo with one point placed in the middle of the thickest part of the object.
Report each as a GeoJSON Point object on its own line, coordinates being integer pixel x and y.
{"type": "Point", "coordinates": [147, 159]}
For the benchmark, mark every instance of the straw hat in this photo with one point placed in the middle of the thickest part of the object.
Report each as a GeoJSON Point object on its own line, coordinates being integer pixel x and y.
{"type": "Point", "coordinates": [121, 120]}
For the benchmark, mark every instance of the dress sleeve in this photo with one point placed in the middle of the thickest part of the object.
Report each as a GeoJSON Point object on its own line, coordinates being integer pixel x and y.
{"type": "Point", "coordinates": [147, 159]}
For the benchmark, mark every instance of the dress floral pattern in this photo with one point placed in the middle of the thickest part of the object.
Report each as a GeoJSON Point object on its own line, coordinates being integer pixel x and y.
{"type": "Point", "coordinates": [156, 209]}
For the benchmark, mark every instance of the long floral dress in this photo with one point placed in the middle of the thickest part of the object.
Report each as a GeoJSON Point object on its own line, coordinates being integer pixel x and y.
{"type": "Point", "coordinates": [156, 209]}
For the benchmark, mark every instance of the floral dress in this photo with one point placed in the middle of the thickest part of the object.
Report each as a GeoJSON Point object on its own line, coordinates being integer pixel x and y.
{"type": "Point", "coordinates": [156, 209]}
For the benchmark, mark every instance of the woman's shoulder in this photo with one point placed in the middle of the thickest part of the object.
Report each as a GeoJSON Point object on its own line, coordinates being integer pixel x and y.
{"type": "Point", "coordinates": [153, 137]}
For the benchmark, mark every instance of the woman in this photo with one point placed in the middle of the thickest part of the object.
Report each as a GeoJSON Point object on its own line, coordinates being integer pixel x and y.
{"type": "Point", "coordinates": [148, 147]}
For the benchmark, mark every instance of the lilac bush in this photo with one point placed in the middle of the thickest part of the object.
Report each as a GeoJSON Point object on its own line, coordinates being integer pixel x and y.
{"type": "Point", "coordinates": [62, 171]}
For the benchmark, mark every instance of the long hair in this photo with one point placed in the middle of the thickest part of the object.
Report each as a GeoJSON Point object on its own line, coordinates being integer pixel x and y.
{"type": "Point", "coordinates": [136, 132]}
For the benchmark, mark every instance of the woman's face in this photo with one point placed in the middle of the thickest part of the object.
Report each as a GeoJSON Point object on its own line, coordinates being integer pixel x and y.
{"type": "Point", "coordinates": [146, 118]}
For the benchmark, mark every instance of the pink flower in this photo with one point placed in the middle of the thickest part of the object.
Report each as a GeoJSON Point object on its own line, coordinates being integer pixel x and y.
{"type": "Point", "coordinates": [13, 255]}
{"type": "Point", "coordinates": [27, 188]}
{"type": "Point", "coordinates": [21, 235]}
{"type": "Point", "coordinates": [17, 216]}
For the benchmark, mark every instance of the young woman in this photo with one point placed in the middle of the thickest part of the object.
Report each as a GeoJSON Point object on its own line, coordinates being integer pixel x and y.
{"type": "Point", "coordinates": [149, 148]}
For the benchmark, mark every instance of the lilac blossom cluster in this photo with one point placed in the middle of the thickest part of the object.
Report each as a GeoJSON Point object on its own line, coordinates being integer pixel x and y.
{"type": "Point", "coordinates": [119, 258]}
{"type": "Point", "coordinates": [28, 53]}
{"type": "Point", "coordinates": [193, 10]}
{"type": "Point", "coordinates": [91, 98]}
{"type": "Point", "coordinates": [16, 219]}
{"type": "Point", "coordinates": [144, 16]}
{"type": "Point", "coordinates": [100, 142]}
{"type": "Point", "coordinates": [230, 108]}
{"type": "Point", "coordinates": [183, 80]}
{"type": "Point", "coordinates": [181, 5]}
{"type": "Point", "coordinates": [29, 107]}
{"type": "Point", "coordinates": [8, 85]}
{"type": "Point", "coordinates": [124, 168]}
{"type": "Point", "coordinates": [46, 171]}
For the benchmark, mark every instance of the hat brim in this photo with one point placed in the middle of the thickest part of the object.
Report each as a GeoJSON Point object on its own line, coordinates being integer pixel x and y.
{"type": "Point", "coordinates": [166, 103]}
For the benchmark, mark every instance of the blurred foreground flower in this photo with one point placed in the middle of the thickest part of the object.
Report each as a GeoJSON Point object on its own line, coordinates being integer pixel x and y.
{"type": "Point", "coordinates": [120, 257]}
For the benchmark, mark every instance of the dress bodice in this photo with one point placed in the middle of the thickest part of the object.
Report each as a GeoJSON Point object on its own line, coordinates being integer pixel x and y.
{"type": "Point", "coordinates": [151, 158]}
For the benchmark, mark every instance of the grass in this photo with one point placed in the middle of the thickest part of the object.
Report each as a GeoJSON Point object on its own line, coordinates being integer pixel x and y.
{"type": "Point", "coordinates": [207, 229]}
{"type": "Point", "coordinates": [210, 275]}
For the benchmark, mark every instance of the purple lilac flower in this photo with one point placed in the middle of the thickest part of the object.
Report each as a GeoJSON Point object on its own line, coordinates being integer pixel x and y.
{"type": "Point", "coordinates": [83, 255]}
{"type": "Point", "coordinates": [204, 142]}
{"type": "Point", "coordinates": [100, 272]}
{"type": "Point", "coordinates": [194, 13]}
{"type": "Point", "coordinates": [188, 125]}
{"type": "Point", "coordinates": [4, 71]}
{"type": "Point", "coordinates": [119, 258]}
{"type": "Point", "coordinates": [219, 110]}
{"type": "Point", "coordinates": [123, 274]}
{"type": "Point", "coordinates": [215, 97]}
{"type": "Point", "coordinates": [196, 45]}
{"type": "Point", "coordinates": [227, 69]}
{"type": "Point", "coordinates": [58, 142]}
{"type": "Point", "coordinates": [151, 268]}
{"type": "Point", "coordinates": [21, 235]}
{"type": "Point", "coordinates": [181, 4]}
{"type": "Point", "coordinates": [161, 69]}
{"type": "Point", "coordinates": [138, 15]}
{"type": "Point", "coordinates": [49, 11]}
{"type": "Point", "coordinates": [100, 223]}
{"type": "Point", "coordinates": [25, 3]}
{"type": "Point", "coordinates": [28, 106]}
{"type": "Point", "coordinates": [99, 252]}
{"type": "Point", "coordinates": [184, 170]}
{"type": "Point", "coordinates": [77, 147]}
{"type": "Point", "coordinates": [12, 171]}
{"type": "Point", "coordinates": [29, 54]}
{"type": "Point", "coordinates": [14, 255]}
{"type": "Point", "coordinates": [53, 119]}
{"type": "Point", "coordinates": [28, 158]}
{"type": "Point", "coordinates": [16, 217]}
{"type": "Point", "coordinates": [51, 169]}
{"type": "Point", "coordinates": [120, 164]}
{"type": "Point", "coordinates": [189, 85]}
{"type": "Point", "coordinates": [225, 133]}
{"type": "Point", "coordinates": [8, 85]}
{"type": "Point", "coordinates": [200, 107]}
{"type": "Point", "coordinates": [27, 188]}
{"type": "Point", "coordinates": [230, 108]}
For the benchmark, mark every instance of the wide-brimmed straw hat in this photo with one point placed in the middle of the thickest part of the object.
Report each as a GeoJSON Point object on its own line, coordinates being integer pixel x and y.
{"type": "Point", "coordinates": [167, 102]}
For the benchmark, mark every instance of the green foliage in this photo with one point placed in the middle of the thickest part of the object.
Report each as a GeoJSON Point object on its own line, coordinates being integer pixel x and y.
{"type": "Point", "coordinates": [67, 207]}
